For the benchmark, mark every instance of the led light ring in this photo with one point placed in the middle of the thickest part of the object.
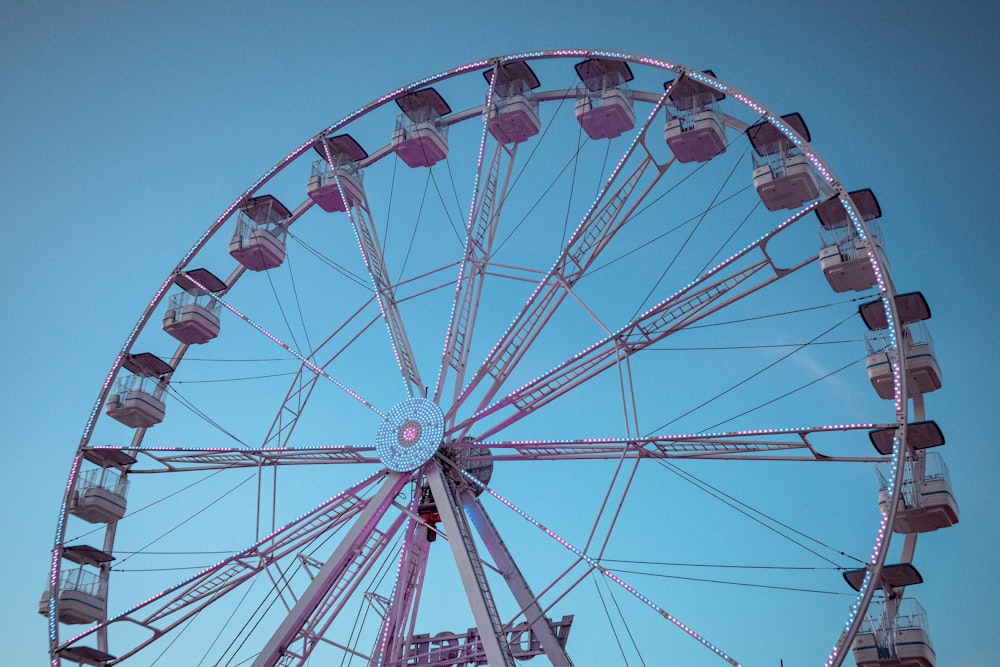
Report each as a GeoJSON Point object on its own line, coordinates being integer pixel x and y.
{"type": "Point", "coordinates": [410, 434]}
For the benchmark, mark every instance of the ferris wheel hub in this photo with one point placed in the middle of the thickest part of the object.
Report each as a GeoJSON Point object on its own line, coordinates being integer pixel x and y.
{"type": "Point", "coordinates": [410, 434]}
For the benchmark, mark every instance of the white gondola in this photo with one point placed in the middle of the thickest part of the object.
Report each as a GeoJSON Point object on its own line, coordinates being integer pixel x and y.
{"type": "Point", "coordinates": [894, 633]}
{"type": "Point", "coordinates": [927, 501]}
{"type": "Point", "coordinates": [136, 402]}
{"type": "Point", "coordinates": [695, 130]}
{"type": "Point", "coordinates": [604, 115]}
{"type": "Point", "coordinates": [259, 240]}
{"type": "Point", "coordinates": [137, 398]}
{"type": "Point", "coordinates": [783, 176]}
{"type": "Point", "coordinates": [335, 188]}
{"type": "Point", "coordinates": [336, 181]}
{"type": "Point", "coordinates": [100, 496]}
{"type": "Point", "coordinates": [513, 115]}
{"type": "Point", "coordinates": [192, 317]}
{"type": "Point", "coordinates": [421, 143]}
{"type": "Point", "coordinates": [603, 102]}
{"type": "Point", "coordinates": [420, 139]}
{"type": "Point", "coordinates": [923, 374]}
{"type": "Point", "coordinates": [785, 182]}
{"type": "Point", "coordinates": [514, 119]}
{"type": "Point", "coordinates": [847, 263]}
{"type": "Point", "coordinates": [192, 320]}
{"type": "Point", "coordinates": [846, 257]}
{"type": "Point", "coordinates": [696, 137]}
{"type": "Point", "coordinates": [258, 249]}
{"type": "Point", "coordinates": [83, 597]}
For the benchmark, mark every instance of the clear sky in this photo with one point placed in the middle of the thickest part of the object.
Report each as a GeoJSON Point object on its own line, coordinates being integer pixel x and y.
{"type": "Point", "coordinates": [126, 128]}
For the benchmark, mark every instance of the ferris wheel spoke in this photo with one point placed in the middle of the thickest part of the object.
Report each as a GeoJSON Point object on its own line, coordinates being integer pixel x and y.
{"type": "Point", "coordinates": [755, 445]}
{"type": "Point", "coordinates": [177, 604]}
{"type": "Point", "coordinates": [596, 566]}
{"type": "Point", "coordinates": [285, 346]}
{"type": "Point", "coordinates": [726, 284]}
{"type": "Point", "coordinates": [633, 179]}
{"type": "Point", "coordinates": [483, 219]}
{"type": "Point", "coordinates": [186, 459]}
{"type": "Point", "coordinates": [315, 626]}
{"type": "Point", "coordinates": [401, 612]}
{"type": "Point", "coordinates": [306, 379]}
{"type": "Point", "coordinates": [534, 614]}
{"type": "Point", "coordinates": [316, 608]}
{"type": "Point", "coordinates": [480, 233]}
{"type": "Point", "coordinates": [374, 259]}
{"type": "Point", "coordinates": [470, 567]}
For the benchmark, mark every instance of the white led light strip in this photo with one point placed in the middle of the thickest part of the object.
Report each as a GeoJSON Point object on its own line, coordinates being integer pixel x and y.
{"type": "Point", "coordinates": [607, 573]}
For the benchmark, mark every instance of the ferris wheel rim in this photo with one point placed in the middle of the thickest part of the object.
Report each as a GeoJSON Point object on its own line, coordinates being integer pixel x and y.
{"type": "Point", "coordinates": [886, 291]}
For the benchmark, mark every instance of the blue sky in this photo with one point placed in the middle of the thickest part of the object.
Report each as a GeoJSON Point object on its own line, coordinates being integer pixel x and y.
{"type": "Point", "coordinates": [126, 128]}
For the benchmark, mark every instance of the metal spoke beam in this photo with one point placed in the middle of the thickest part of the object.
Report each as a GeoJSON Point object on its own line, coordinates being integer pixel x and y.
{"type": "Point", "coordinates": [481, 233]}
{"type": "Point", "coordinates": [739, 276]}
{"type": "Point", "coordinates": [400, 617]}
{"type": "Point", "coordinates": [470, 568]}
{"type": "Point", "coordinates": [596, 566]}
{"type": "Point", "coordinates": [632, 180]}
{"type": "Point", "coordinates": [166, 611]}
{"type": "Point", "coordinates": [555, 652]}
{"type": "Point", "coordinates": [305, 381]}
{"type": "Point", "coordinates": [371, 252]}
{"type": "Point", "coordinates": [334, 571]}
{"type": "Point", "coordinates": [763, 444]}
{"type": "Point", "coordinates": [178, 459]}
{"type": "Point", "coordinates": [295, 353]}
{"type": "Point", "coordinates": [316, 628]}
{"type": "Point", "coordinates": [759, 445]}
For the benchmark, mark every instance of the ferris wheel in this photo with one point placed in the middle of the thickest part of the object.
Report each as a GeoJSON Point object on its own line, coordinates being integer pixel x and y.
{"type": "Point", "coordinates": [576, 356]}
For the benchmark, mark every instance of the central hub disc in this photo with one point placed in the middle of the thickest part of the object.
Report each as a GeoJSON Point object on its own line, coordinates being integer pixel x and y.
{"type": "Point", "coordinates": [410, 434]}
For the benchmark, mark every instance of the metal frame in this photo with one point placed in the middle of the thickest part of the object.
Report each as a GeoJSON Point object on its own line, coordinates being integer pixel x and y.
{"type": "Point", "coordinates": [478, 400]}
